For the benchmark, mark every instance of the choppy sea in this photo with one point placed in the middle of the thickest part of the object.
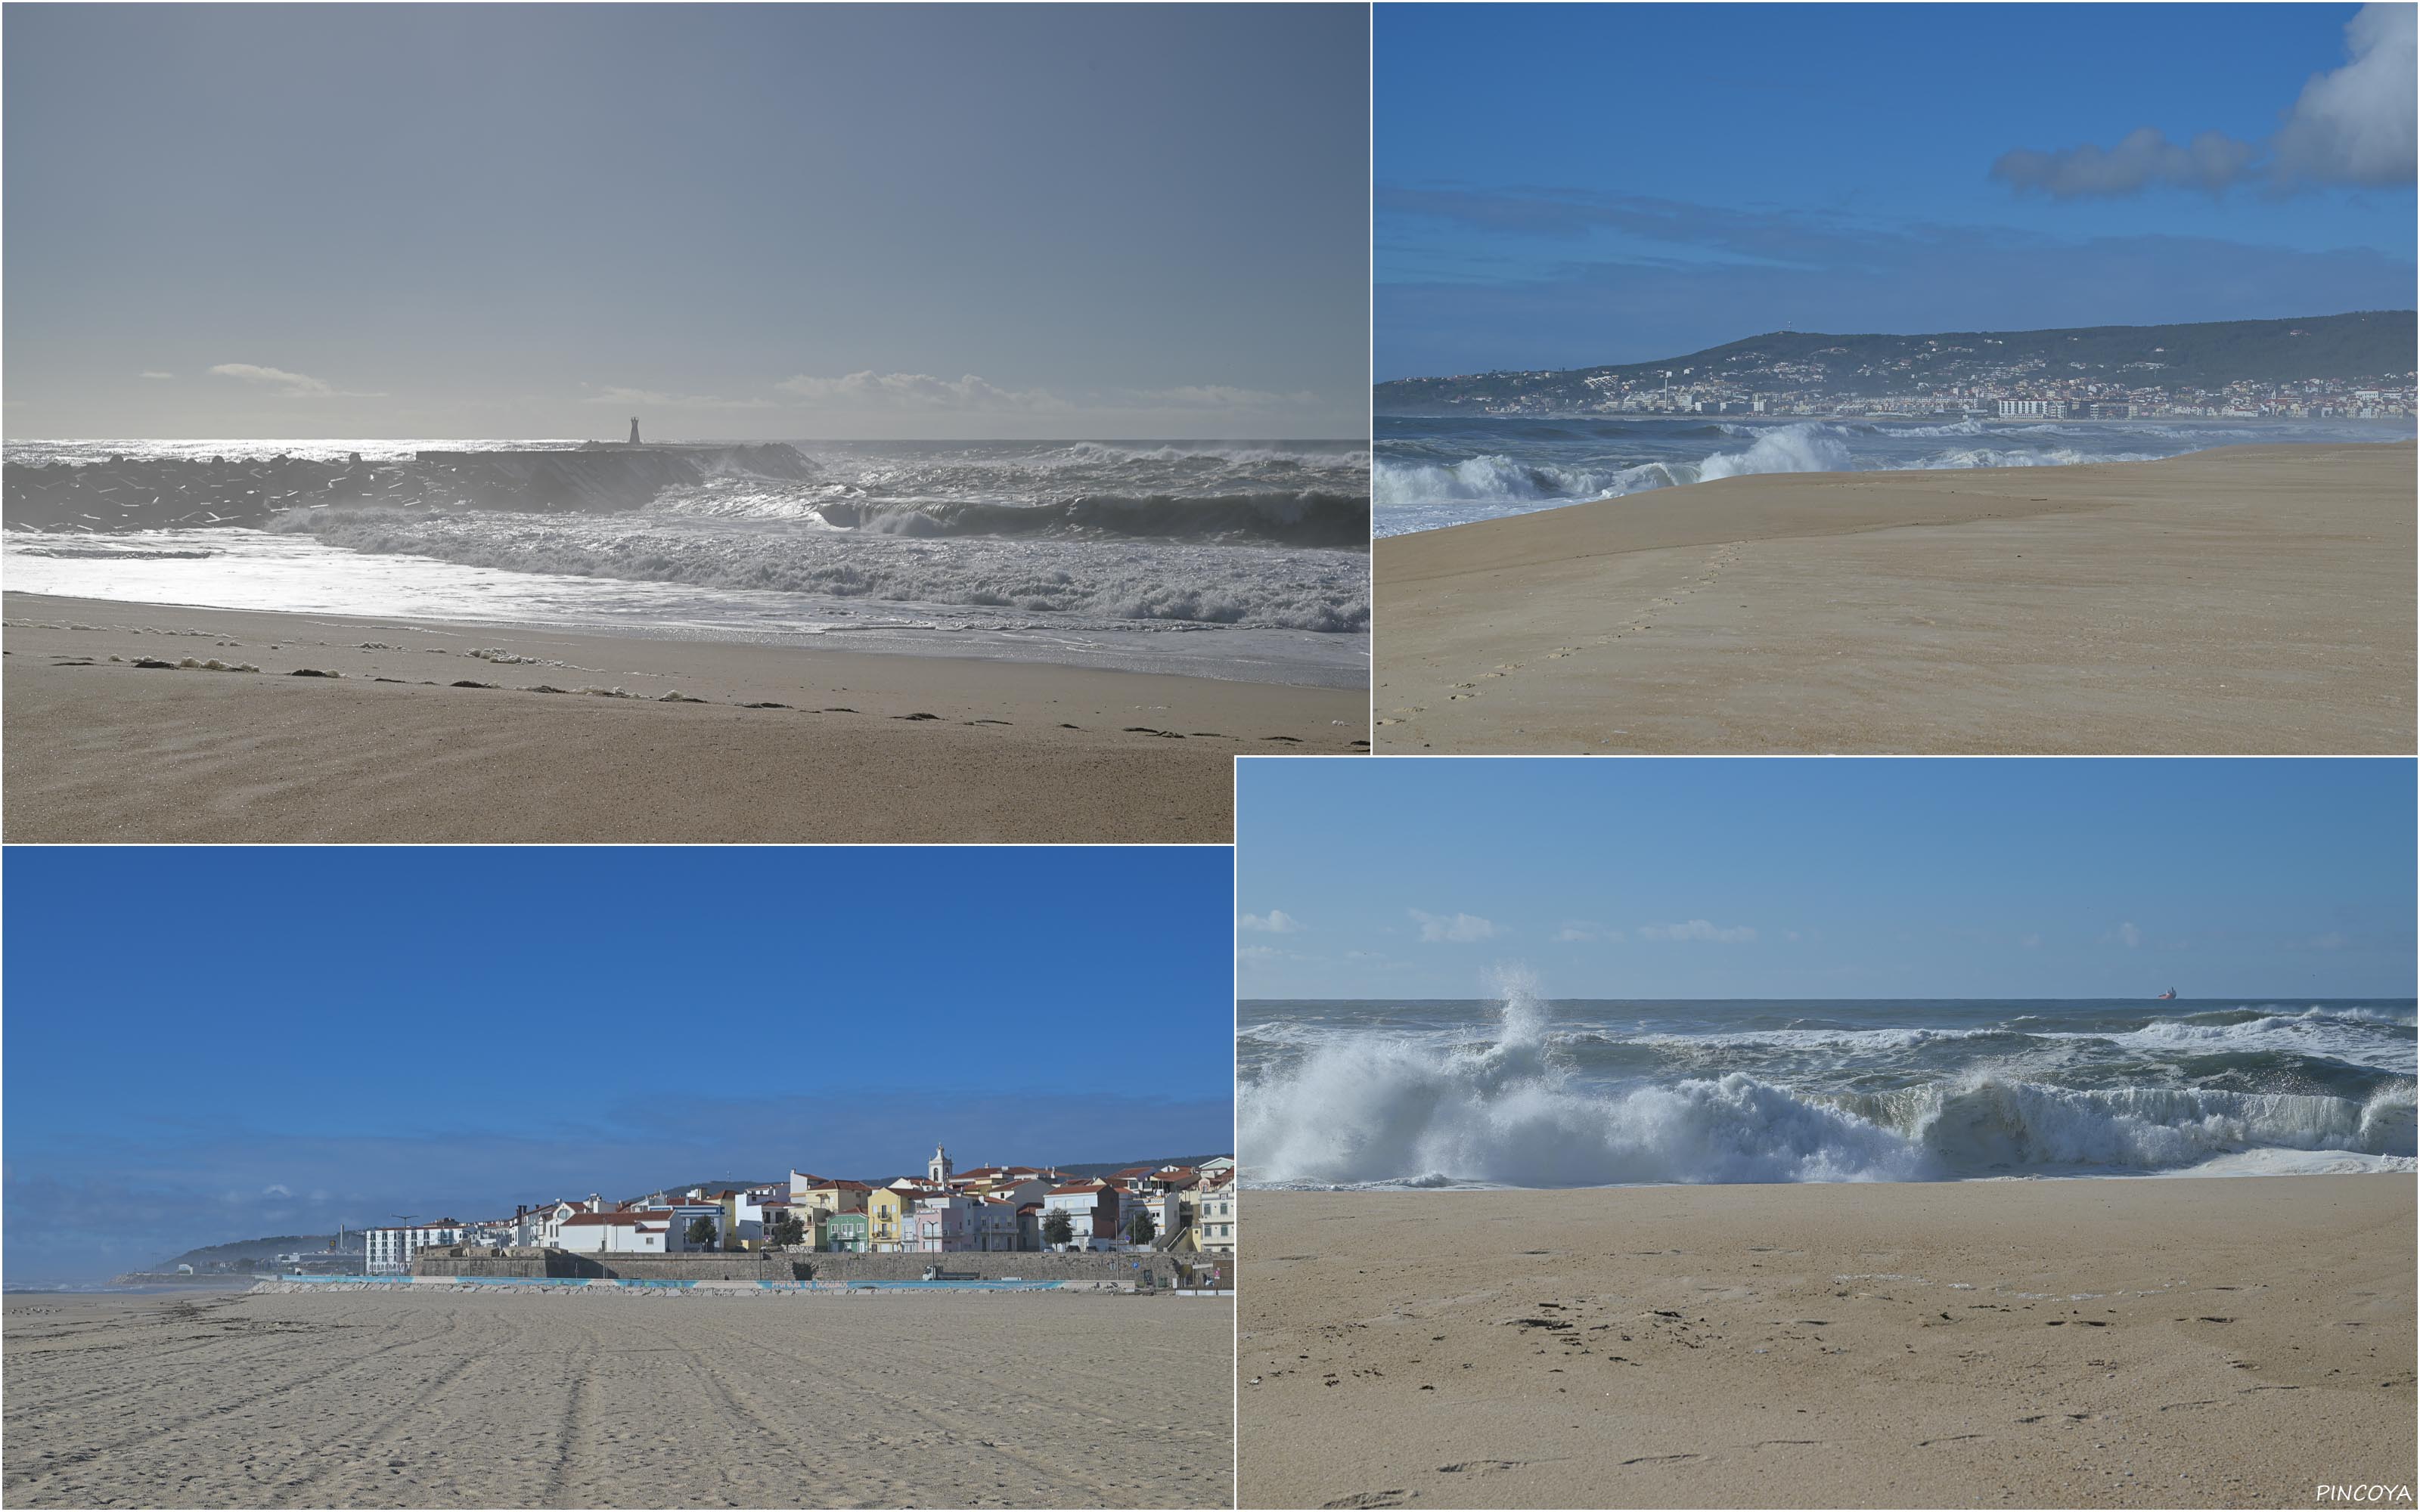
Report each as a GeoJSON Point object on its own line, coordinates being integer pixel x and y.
{"type": "Point", "coordinates": [1532, 1093]}
{"type": "Point", "coordinates": [1242, 560]}
{"type": "Point", "coordinates": [1435, 472]}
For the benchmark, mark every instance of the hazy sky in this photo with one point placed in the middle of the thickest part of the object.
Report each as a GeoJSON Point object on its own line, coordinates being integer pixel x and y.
{"type": "Point", "coordinates": [761, 220]}
{"type": "Point", "coordinates": [1641, 877]}
{"type": "Point", "coordinates": [1565, 185]}
{"type": "Point", "coordinates": [207, 1044]}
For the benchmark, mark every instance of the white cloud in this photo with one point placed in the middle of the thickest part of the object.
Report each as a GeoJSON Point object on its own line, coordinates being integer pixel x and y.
{"type": "Point", "coordinates": [2031, 942]}
{"type": "Point", "coordinates": [2332, 940]}
{"type": "Point", "coordinates": [923, 391]}
{"type": "Point", "coordinates": [1698, 929]}
{"type": "Point", "coordinates": [1582, 929]}
{"type": "Point", "coordinates": [1457, 929]}
{"type": "Point", "coordinates": [288, 385]}
{"type": "Point", "coordinates": [2128, 935]}
{"type": "Point", "coordinates": [620, 397]}
{"type": "Point", "coordinates": [1276, 922]}
{"type": "Point", "coordinates": [275, 1190]}
{"type": "Point", "coordinates": [913, 391]}
{"type": "Point", "coordinates": [2357, 125]}
{"type": "Point", "coordinates": [1257, 952]}
{"type": "Point", "coordinates": [1211, 396]}
{"type": "Point", "coordinates": [157, 377]}
{"type": "Point", "coordinates": [2353, 126]}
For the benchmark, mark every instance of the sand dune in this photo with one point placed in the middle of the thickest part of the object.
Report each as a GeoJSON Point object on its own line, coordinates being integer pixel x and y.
{"type": "Point", "coordinates": [618, 1401]}
{"type": "Point", "coordinates": [2251, 599]}
{"type": "Point", "coordinates": [458, 732]}
{"type": "Point", "coordinates": [2057, 1343]}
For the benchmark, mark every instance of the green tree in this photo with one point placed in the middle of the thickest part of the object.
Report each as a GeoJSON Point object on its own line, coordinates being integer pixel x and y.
{"type": "Point", "coordinates": [786, 1230]}
{"type": "Point", "coordinates": [701, 1233]}
{"type": "Point", "coordinates": [1057, 1228]}
{"type": "Point", "coordinates": [1141, 1228]}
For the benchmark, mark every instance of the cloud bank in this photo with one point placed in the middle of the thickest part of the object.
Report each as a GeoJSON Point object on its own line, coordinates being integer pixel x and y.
{"type": "Point", "coordinates": [286, 385]}
{"type": "Point", "coordinates": [1276, 922]}
{"type": "Point", "coordinates": [1456, 929]}
{"type": "Point", "coordinates": [2354, 126]}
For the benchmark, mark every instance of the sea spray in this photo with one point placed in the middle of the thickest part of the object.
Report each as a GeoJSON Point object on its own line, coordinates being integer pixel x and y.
{"type": "Point", "coordinates": [1539, 1094]}
{"type": "Point", "coordinates": [1432, 472]}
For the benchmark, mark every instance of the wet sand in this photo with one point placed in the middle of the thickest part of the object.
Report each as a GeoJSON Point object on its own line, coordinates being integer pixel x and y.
{"type": "Point", "coordinates": [1032, 1400]}
{"type": "Point", "coordinates": [2223, 1342]}
{"type": "Point", "coordinates": [865, 746]}
{"type": "Point", "coordinates": [2253, 600]}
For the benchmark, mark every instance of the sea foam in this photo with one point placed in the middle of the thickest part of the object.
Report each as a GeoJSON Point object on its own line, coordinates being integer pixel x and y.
{"type": "Point", "coordinates": [1356, 1108]}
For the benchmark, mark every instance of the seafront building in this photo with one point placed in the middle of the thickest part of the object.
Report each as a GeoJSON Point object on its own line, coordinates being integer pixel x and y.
{"type": "Point", "coordinates": [389, 1251]}
{"type": "Point", "coordinates": [987, 1209]}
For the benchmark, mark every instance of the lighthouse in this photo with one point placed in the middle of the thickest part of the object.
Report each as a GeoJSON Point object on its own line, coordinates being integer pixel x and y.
{"type": "Point", "coordinates": [634, 430]}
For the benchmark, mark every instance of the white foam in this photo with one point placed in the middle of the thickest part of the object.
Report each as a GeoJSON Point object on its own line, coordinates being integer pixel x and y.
{"type": "Point", "coordinates": [1364, 1108]}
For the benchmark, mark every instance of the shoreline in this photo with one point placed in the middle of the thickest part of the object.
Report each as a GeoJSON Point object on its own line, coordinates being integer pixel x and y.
{"type": "Point", "coordinates": [2056, 1342]}
{"type": "Point", "coordinates": [2246, 600]}
{"type": "Point", "coordinates": [767, 743]}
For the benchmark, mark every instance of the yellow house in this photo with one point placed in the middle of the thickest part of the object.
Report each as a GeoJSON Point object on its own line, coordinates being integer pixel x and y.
{"type": "Point", "coordinates": [886, 1218]}
{"type": "Point", "coordinates": [887, 1209]}
{"type": "Point", "coordinates": [828, 1196]}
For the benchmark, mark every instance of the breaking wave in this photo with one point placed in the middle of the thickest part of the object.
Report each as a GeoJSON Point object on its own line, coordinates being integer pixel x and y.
{"type": "Point", "coordinates": [1167, 582]}
{"type": "Point", "coordinates": [1329, 519]}
{"type": "Point", "coordinates": [1495, 478]}
{"type": "Point", "coordinates": [1362, 1108]}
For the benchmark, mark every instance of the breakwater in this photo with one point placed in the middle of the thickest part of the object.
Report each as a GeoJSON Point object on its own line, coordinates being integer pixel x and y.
{"type": "Point", "coordinates": [128, 493]}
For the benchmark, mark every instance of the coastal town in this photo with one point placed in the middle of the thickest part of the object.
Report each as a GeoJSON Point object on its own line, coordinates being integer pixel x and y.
{"type": "Point", "coordinates": [1175, 1209]}
{"type": "Point", "coordinates": [2354, 366]}
{"type": "Point", "coordinates": [2023, 392]}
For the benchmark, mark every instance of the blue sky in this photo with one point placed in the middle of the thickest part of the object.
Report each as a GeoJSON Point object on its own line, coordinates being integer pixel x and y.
{"type": "Point", "coordinates": [1565, 185]}
{"type": "Point", "coordinates": [1643, 877]}
{"type": "Point", "coordinates": [764, 221]}
{"type": "Point", "coordinates": [209, 1045]}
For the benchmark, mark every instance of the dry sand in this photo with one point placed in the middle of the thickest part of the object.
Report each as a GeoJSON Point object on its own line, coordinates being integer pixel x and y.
{"type": "Point", "coordinates": [2057, 1343]}
{"type": "Point", "coordinates": [872, 746]}
{"type": "Point", "coordinates": [2250, 599]}
{"type": "Point", "coordinates": [991, 1399]}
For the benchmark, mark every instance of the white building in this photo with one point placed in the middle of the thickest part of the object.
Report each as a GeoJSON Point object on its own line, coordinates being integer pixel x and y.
{"type": "Point", "coordinates": [624, 1231]}
{"type": "Point", "coordinates": [2033, 408]}
{"type": "Point", "coordinates": [1214, 1211]}
{"type": "Point", "coordinates": [390, 1250]}
{"type": "Point", "coordinates": [1092, 1210]}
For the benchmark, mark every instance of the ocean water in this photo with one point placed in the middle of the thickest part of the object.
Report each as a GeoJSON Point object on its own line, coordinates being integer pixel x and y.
{"type": "Point", "coordinates": [1530, 1093]}
{"type": "Point", "coordinates": [1244, 559]}
{"type": "Point", "coordinates": [1435, 472]}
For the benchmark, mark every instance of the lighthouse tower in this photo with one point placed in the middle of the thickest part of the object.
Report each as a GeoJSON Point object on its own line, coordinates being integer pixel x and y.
{"type": "Point", "coordinates": [634, 430]}
{"type": "Point", "coordinates": [940, 1168]}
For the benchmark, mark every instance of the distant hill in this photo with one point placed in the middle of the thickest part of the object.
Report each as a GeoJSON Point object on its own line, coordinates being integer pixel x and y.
{"type": "Point", "coordinates": [1112, 1167]}
{"type": "Point", "coordinates": [2372, 343]}
{"type": "Point", "coordinates": [246, 1249]}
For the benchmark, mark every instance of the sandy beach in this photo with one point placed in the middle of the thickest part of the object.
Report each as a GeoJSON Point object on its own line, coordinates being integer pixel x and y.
{"type": "Point", "coordinates": [2055, 1343]}
{"type": "Point", "coordinates": [618, 1401]}
{"type": "Point", "coordinates": [450, 733]}
{"type": "Point", "coordinates": [2253, 600]}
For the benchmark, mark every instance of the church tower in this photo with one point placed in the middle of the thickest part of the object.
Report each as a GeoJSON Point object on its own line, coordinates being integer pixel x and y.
{"type": "Point", "coordinates": [939, 1170]}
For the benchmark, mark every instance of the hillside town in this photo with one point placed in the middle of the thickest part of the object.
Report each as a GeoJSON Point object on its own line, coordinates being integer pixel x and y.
{"type": "Point", "coordinates": [2026, 390]}
{"type": "Point", "coordinates": [2331, 367]}
{"type": "Point", "coordinates": [1171, 1208]}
